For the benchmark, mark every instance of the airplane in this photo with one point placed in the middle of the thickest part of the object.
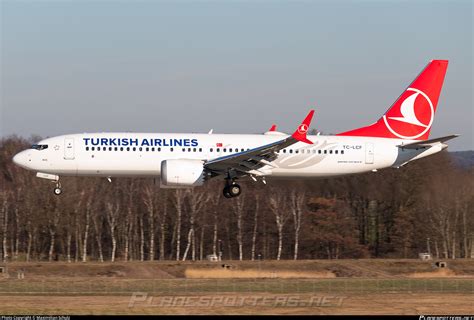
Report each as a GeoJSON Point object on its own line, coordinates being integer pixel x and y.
{"type": "Point", "coordinates": [183, 160]}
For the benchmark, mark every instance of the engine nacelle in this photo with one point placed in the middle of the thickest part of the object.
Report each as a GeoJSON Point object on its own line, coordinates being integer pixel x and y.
{"type": "Point", "coordinates": [182, 173]}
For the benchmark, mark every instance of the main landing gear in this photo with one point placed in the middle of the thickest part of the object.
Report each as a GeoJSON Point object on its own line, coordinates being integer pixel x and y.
{"type": "Point", "coordinates": [231, 189]}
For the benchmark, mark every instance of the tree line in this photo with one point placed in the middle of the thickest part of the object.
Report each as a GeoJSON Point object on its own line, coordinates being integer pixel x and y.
{"type": "Point", "coordinates": [425, 206]}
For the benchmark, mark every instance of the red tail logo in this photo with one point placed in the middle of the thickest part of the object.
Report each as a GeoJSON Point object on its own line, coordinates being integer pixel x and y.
{"type": "Point", "coordinates": [412, 114]}
{"type": "Point", "coordinates": [416, 110]}
{"type": "Point", "coordinates": [303, 128]}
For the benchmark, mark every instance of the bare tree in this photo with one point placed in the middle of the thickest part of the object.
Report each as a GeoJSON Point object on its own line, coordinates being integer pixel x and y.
{"type": "Point", "coordinates": [162, 220]}
{"type": "Point", "coordinates": [178, 201]}
{"type": "Point", "coordinates": [238, 209]}
{"type": "Point", "coordinates": [113, 210]}
{"type": "Point", "coordinates": [213, 203]}
{"type": "Point", "coordinates": [196, 200]}
{"type": "Point", "coordinates": [70, 219]}
{"type": "Point", "coordinates": [17, 234]}
{"type": "Point", "coordinates": [97, 222]}
{"type": "Point", "coordinates": [278, 207]}
{"type": "Point", "coordinates": [4, 196]}
{"type": "Point", "coordinates": [255, 226]}
{"type": "Point", "coordinates": [53, 221]}
{"type": "Point", "coordinates": [129, 218]}
{"type": "Point", "coordinates": [149, 199]}
{"type": "Point", "coordinates": [142, 238]}
{"type": "Point", "coordinates": [297, 207]}
{"type": "Point", "coordinates": [88, 210]}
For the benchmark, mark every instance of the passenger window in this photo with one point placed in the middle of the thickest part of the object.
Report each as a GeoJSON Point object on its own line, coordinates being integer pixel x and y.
{"type": "Point", "coordinates": [128, 148]}
{"type": "Point", "coordinates": [147, 149]}
{"type": "Point", "coordinates": [211, 150]}
{"type": "Point", "coordinates": [134, 149]}
{"type": "Point", "coordinates": [342, 151]}
{"type": "Point", "coordinates": [184, 149]}
{"type": "Point", "coordinates": [115, 148]}
{"type": "Point", "coordinates": [330, 151]}
{"type": "Point", "coordinates": [153, 149]}
{"type": "Point", "coordinates": [140, 149]}
{"type": "Point", "coordinates": [217, 150]}
{"type": "Point", "coordinates": [171, 149]}
{"type": "Point", "coordinates": [92, 148]}
{"type": "Point", "coordinates": [194, 149]}
{"type": "Point", "coordinates": [87, 148]}
{"type": "Point", "coordinates": [336, 152]}
{"type": "Point", "coordinates": [291, 150]}
{"type": "Point", "coordinates": [325, 151]}
{"type": "Point", "coordinates": [121, 148]}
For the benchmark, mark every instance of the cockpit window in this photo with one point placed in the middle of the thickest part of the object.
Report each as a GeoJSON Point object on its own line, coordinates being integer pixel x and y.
{"type": "Point", "coordinates": [39, 146]}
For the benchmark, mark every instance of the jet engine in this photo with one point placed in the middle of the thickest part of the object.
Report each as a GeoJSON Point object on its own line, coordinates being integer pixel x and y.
{"type": "Point", "coordinates": [182, 173]}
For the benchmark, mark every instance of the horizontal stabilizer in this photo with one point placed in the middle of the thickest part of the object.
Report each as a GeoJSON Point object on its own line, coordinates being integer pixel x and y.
{"type": "Point", "coordinates": [427, 143]}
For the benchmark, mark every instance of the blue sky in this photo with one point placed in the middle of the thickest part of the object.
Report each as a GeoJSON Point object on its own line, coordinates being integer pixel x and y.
{"type": "Point", "coordinates": [236, 67]}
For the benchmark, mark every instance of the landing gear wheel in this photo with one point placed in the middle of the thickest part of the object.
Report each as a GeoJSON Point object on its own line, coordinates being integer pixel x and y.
{"type": "Point", "coordinates": [231, 188]}
{"type": "Point", "coordinates": [57, 191]}
{"type": "Point", "coordinates": [234, 190]}
{"type": "Point", "coordinates": [231, 191]}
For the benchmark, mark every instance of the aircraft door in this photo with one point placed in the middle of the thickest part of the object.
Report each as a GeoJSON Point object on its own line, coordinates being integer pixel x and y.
{"type": "Point", "coordinates": [69, 148]}
{"type": "Point", "coordinates": [369, 153]}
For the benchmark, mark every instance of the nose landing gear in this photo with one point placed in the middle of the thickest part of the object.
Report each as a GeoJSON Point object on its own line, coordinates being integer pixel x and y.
{"type": "Point", "coordinates": [57, 190]}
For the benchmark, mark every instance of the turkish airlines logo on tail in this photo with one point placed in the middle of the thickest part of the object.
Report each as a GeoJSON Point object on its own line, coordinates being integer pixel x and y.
{"type": "Point", "coordinates": [303, 128]}
{"type": "Point", "coordinates": [413, 118]}
{"type": "Point", "coordinates": [408, 111]}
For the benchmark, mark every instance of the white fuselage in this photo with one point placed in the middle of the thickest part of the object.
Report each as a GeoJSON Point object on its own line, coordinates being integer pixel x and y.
{"type": "Point", "coordinates": [141, 154]}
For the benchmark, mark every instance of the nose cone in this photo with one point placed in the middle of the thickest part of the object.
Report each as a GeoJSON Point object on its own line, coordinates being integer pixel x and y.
{"type": "Point", "coordinates": [21, 159]}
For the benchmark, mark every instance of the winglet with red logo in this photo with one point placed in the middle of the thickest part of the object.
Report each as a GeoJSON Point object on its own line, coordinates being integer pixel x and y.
{"type": "Point", "coordinates": [412, 114]}
{"type": "Point", "coordinates": [300, 133]}
{"type": "Point", "coordinates": [273, 128]}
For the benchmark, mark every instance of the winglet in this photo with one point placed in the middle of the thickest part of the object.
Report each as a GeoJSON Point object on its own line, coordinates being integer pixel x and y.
{"type": "Point", "coordinates": [300, 133]}
{"type": "Point", "coordinates": [273, 128]}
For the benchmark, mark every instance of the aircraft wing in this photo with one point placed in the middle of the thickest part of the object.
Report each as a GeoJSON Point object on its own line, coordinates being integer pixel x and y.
{"type": "Point", "coordinates": [251, 160]}
{"type": "Point", "coordinates": [427, 143]}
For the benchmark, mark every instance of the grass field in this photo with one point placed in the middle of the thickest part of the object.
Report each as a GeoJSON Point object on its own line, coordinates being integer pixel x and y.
{"type": "Point", "coordinates": [325, 287]}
